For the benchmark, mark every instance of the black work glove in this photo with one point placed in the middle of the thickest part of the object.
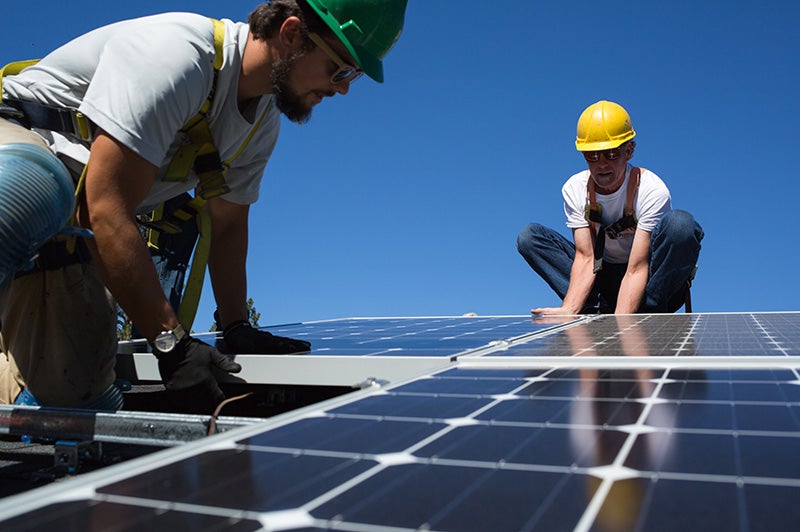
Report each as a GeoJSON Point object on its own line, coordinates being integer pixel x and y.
{"type": "Point", "coordinates": [241, 337]}
{"type": "Point", "coordinates": [186, 371]}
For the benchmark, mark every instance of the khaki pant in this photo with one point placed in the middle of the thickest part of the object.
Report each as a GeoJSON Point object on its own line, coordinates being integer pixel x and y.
{"type": "Point", "coordinates": [58, 334]}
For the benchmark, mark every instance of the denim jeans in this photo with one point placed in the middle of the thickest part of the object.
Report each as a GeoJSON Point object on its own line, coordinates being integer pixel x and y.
{"type": "Point", "coordinates": [674, 250]}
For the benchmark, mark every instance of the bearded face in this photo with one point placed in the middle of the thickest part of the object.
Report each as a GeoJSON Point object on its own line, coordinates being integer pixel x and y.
{"type": "Point", "coordinates": [289, 102]}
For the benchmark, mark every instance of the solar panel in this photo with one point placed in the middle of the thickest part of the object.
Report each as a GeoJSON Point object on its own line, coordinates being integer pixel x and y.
{"type": "Point", "coordinates": [647, 422]}
{"type": "Point", "coordinates": [349, 352]}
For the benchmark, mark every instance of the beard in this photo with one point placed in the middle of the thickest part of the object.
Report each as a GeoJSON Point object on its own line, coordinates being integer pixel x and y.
{"type": "Point", "coordinates": [288, 102]}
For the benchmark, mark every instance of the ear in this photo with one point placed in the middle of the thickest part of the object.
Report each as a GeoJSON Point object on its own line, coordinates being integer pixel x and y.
{"type": "Point", "coordinates": [632, 145]}
{"type": "Point", "coordinates": [290, 34]}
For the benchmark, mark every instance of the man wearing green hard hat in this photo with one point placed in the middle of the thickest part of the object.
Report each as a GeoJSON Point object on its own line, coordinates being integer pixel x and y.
{"type": "Point", "coordinates": [162, 125]}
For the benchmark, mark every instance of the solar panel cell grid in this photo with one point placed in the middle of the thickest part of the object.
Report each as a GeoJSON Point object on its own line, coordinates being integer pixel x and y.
{"type": "Point", "coordinates": [494, 448]}
{"type": "Point", "coordinates": [408, 337]}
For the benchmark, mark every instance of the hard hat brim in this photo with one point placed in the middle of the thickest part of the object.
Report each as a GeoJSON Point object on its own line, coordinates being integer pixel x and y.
{"type": "Point", "coordinates": [603, 145]}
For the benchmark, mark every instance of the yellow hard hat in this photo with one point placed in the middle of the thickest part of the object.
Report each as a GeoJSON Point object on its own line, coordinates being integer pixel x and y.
{"type": "Point", "coordinates": [602, 126]}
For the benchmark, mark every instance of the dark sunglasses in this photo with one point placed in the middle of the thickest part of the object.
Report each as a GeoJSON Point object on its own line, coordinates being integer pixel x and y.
{"type": "Point", "coordinates": [345, 72]}
{"type": "Point", "coordinates": [610, 155]}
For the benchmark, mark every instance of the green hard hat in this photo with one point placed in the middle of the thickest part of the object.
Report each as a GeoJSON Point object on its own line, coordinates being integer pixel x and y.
{"type": "Point", "coordinates": [367, 28]}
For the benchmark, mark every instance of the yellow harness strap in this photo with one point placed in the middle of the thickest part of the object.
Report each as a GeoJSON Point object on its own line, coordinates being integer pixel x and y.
{"type": "Point", "coordinates": [197, 272]}
{"type": "Point", "coordinates": [201, 154]}
{"type": "Point", "coordinates": [12, 69]}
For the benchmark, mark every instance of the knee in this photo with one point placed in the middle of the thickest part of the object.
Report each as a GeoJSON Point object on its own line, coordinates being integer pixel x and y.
{"type": "Point", "coordinates": [680, 227]}
{"type": "Point", "coordinates": [528, 235]}
{"type": "Point", "coordinates": [37, 197]}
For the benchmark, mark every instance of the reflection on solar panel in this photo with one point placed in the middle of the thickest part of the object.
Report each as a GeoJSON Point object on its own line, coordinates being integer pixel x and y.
{"type": "Point", "coordinates": [602, 435]}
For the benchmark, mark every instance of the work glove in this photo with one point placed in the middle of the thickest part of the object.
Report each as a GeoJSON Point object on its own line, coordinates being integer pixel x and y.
{"type": "Point", "coordinates": [186, 371]}
{"type": "Point", "coordinates": [241, 337]}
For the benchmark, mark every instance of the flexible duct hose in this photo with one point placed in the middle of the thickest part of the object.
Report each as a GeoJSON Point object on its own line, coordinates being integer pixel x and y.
{"type": "Point", "coordinates": [37, 197]}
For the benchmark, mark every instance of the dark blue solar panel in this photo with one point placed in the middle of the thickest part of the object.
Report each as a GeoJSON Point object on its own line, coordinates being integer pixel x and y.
{"type": "Point", "coordinates": [253, 480]}
{"type": "Point", "coordinates": [435, 336]}
{"type": "Point", "coordinates": [671, 335]}
{"type": "Point", "coordinates": [532, 445]}
{"type": "Point", "coordinates": [408, 337]}
{"type": "Point", "coordinates": [359, 435]}
{"type": "Point", "coordinates": [496, 448]}
{"type": "Point", "coordinates": [437, 497]}
{"type": "Point", "coordinates": [92, 515]}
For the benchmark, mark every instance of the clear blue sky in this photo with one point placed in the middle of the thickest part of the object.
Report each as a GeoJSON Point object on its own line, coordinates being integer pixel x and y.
{"type": "Point", "coordinates": [406, 198]}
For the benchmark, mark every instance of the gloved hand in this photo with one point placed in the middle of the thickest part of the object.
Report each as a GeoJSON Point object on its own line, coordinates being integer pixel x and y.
{"type": "Point", "coordinates": [186, 371]}
{"type": "Point", "coordinates": [241, 337]}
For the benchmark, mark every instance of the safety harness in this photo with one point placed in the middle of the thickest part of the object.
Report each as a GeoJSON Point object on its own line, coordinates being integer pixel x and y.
{"type": "Point", "coordinates": [593, 212]}
{"type": "Point", "coordinates": [200, 155]}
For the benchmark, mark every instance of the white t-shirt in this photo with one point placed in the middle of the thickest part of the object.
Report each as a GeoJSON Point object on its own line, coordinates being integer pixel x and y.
{"type": "Point", "coordinates": [652, 200]}
{"type": "Point", "coordinates": [141, 80]}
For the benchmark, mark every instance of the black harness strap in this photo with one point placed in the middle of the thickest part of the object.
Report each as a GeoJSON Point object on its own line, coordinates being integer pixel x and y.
{"type": "Point", "coordinates": [59, 119]}
{"type": "Point", "coordinates": [55, 255]}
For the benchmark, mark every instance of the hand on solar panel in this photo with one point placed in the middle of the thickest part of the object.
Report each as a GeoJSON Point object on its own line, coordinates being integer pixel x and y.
{"type": "Point", "coordinates": [186, 371]}
{"type": "Point", "coordinates": [551, 311]}
{"type": "Point", "coordinates": [241, 337]}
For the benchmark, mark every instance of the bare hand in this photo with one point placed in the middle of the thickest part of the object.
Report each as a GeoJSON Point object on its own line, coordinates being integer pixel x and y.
{"type": "Point", "coordinates": [551, 311]}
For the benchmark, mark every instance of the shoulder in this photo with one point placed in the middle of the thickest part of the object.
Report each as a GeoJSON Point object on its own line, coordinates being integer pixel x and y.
{"type": "Point", "coordinates": [651, 179]}
{"type": "Point", "coordinates": [186, 36]}
{"type": "Point", "coordinates": [652, 186]}
{"type": "Point", "coordinates": [576, 182]}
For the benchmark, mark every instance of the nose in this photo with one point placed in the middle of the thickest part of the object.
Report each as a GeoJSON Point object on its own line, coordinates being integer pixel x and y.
{"type": "Point", "coordinates": [342, 87]}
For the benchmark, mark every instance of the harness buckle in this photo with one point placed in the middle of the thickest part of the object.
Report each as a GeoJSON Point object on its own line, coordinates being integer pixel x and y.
{"type": "Point", "coordinates": [82, 126]}
{"type": "Point", "coordinates": [615, 230]}
{"type": "Point", "coordinates": [593, 212]}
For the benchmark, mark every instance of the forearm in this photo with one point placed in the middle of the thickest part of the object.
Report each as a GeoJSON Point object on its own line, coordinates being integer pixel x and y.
{"type": "Point", "coordinates": [634, 283]}
{"type": "Point", "coordinates": [228, 259]}
{"type": "Point", "coordinates": [117, 180]}
{"type": "Point", "coordinates": [581, 280]}
{"type": "Point", "coordinates": [127, 269]}
{"type": "Point", "coordinates": [631, 291]}
{"type": "Point", "coordinates": [229, 282]}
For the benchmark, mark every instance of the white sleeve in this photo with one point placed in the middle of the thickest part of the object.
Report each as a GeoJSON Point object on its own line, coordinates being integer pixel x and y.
{"type": "Point", "coordinates": [574, 193]}
{"type": "Point", "coordinates": [653, 201]}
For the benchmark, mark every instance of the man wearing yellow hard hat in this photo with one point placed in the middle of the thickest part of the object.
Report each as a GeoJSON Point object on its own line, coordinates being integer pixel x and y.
{"type": "Point", "coordinates": [631, 252]}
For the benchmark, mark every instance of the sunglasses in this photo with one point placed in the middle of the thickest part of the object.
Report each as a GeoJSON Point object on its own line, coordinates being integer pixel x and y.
{"type": "Point", "coordinates": [610, 155]}
{"type": "Point", "coordinates": [345, 72]}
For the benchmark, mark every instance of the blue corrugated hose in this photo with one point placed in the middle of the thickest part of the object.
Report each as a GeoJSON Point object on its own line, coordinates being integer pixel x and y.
{"type": "Point", "coordinates": [37, 196]}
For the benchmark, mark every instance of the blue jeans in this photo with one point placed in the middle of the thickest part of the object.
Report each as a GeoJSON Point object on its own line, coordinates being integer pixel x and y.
{"type": "Point", "coordinates": [674, 250]}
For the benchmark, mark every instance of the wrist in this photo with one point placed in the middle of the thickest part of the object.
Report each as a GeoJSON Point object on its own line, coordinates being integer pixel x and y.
{"type": "Point", "coordinates": [168, 341]}
{"type": "Point", "coordinates": [239, 324]}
